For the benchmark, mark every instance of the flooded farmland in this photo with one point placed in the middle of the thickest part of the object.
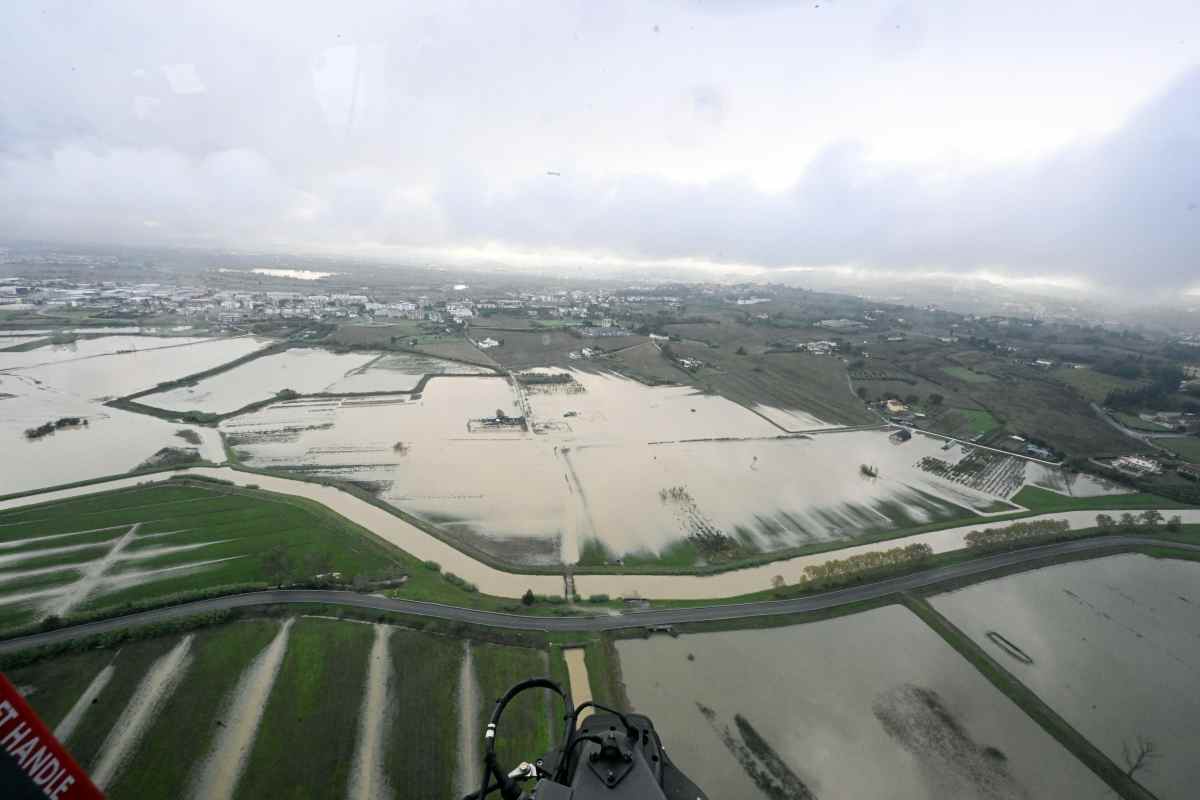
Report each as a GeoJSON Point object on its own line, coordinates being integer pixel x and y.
{"type": "Point", "coordinates": [112, 442]}
{"type": "Point", "coordinates": [495, 485]}
{"type": "Point", "coordinates": [1112, 644]}
{"type": "Point", "coordinates": [306, 371]}
{"type": "Point", "coordinates": [605, 463]}
{"type": "Point", "coordinates": [872, 705]}
{"type": "Point", "coordinates": [1076, 484]}
{"type": "Point", "coordinates": [138, 364]}
{"type": "Point", "coordinates": [399, 372]}
{"type": "Point", "coordinates": [792, 419]}
{"type": "Point", "coordinates": [87, 348]}
{"type": "Point", "coordinates": [617, 408]}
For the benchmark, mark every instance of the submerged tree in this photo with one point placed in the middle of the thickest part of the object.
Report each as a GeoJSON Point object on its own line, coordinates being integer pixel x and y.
{"type": "Point", "coordinates": [1138, 757]}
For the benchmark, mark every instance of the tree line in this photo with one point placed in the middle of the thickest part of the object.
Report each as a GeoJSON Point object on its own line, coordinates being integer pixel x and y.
{"type": "Point", "coordinates": [842, 567]}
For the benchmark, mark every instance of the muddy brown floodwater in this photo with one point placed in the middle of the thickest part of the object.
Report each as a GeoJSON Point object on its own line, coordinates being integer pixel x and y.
{"type": "Point", "coordinates": [1112, 644]}
{"type": "Point", "coordinates": [871, 705]}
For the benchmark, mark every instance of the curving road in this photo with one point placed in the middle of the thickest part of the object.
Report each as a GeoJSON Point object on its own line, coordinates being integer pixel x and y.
{"type": "Point", "coordinates": [1029, 557]}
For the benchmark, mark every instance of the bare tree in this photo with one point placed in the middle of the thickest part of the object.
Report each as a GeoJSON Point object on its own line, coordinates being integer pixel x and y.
{"type": "Point", "coordinates": [1139, 756]}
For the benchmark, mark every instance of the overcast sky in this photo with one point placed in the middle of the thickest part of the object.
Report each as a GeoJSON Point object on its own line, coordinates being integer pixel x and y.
{"type": "Point", "coordinates": [1028, 139]}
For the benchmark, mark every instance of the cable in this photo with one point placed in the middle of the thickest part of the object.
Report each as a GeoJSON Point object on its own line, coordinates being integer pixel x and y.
{"type": "Point", "coordinates": [505, 784]}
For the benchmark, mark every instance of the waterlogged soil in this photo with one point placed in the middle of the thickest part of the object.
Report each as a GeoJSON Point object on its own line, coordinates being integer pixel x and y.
{"type": "Point", "coordinates": [138, 364]}
{"type": "Point", "coordinates": [637, 470]}
{"type": "Point", "coordinates": [112, 441]}
{"type": "Point", "coordinates": [792, 419]}
{"type": "Point", "coordinates": [305, 371]}
{"type": "Point", "coordinates": [54, 687]}
{"type": "Point", "coordinates": [1075, 484]}
{"type": "Point", "coordinates": [304, 744]}
{"type": "Point", "coordinates": [168, 758]}
{"type": "Point", "coordinates": [397, 372]}
{"type": "Point", "coordinates": [89, 348]}
{"type": "Point", "coordinates": [499, 488]}
{"type": "Point", "coordinates": [1112, 644]}
{"type": "Point", "coordinates": [872, 705]}
{"type": "Point", "coordinates": [770, 494]}
{"type": "Point", "coordinates": [151, 695]}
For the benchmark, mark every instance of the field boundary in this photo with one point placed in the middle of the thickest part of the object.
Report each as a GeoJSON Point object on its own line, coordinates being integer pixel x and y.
{"type": "Point", "coordinates": [1025, 699]}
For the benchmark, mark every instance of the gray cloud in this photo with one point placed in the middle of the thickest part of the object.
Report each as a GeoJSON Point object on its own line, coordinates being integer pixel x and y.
{"type": "Point", "coordinates": [212, 126]}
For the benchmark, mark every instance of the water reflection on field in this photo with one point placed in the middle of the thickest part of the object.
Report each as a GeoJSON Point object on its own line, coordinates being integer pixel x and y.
{"type": "Point", "coordinates": [113, 441]}
{"type": "Point", "coordinates": [86, 348]}
{"type": "Point", "coordinates": [498, 486]}
{"type": "Point", "coordinates": [605, 461]}
{"type": "Point", "coordinates": [305, 371]}
{"type": "Point", "coordinates": [49, 383]}
{"type": "Point", "coordinates": [872, 705]}
{"type": "Point", "coordinates": [399, 372]}
{"type": "Point", "coordinates": [1114, 646]}
{"type": "Point", "coordinates": [133, 366]}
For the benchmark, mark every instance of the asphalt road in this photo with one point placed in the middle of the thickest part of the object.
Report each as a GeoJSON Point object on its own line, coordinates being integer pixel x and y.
{"type": "Point", "coordinates": [1029, 557]}
{"type": "Point", "coordinates": [1142, 436]}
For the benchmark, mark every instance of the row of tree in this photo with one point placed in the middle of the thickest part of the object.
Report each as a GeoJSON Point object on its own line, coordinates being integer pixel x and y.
{"type": "Point", "coordinates": [990, 537]}
{"type": "Point", "coordinates": [1128, 522]}
{"type": "Point", "coordinates": [841, 567]}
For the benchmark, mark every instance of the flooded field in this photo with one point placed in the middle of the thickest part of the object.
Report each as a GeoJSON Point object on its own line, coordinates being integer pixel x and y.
{"type": "Point", "coordinates": [86, 348]}
{"type": "Point", "coordinates": [15, 341]}
{"type": "Point", "coordinates": [399, 372]}
{"type": "Point", "coordinates": [768, 493]}
{"type": "Point", "coordinates": [792, 419]}
{"type": "Point", "coordinates": [597, 471]}
{"type": "Point", "coordinates": [135, 365]}
{"type": "Point", "coordinates": [112, 442]}
{"type": "Point", "coordinates": [814, 711]}
{"type": "Point", "coordinates": [617, 408]}
{"type": "Point", "coordinates": [1113, 645]}
{"type": "Point", "coordinates": [1076, 484]}
{"type": "Point", "coordinates": [306, 371]}
{"type": "Point", "coordinates": [1003, 475]}
{"type": "Point", "coordinates": [499, 486]}
{"type": "Point", "coordinates": [90, 330]}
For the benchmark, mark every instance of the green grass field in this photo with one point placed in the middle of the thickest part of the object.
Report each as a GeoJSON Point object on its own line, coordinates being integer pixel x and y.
{"type": "Point", "coordinates": [1043, 500]}
{"type": "Point", "coordinates": [1188, 448]}
{"type": "Point", "coordinates": [307, 738]}
{"type": "Point", "coordinates": [967, 375]}
{"type": "Point", "coordinates": [203, 522]}
{"type": "Point", "coordinates": [422, 757]}
{"type": "Point", "coordinates": [305, 743]}
{"type": "Point", "coordinates": [163, 764]}
{"type": "Point", "coordinates": [53, 686]}
{"type": "Point", "coordinates": [187, 538]}
{"type": "Point", "coordinates": [524, 731]}
{"type": "Point", "coordinates": [1093, 385]}
{"type": "Point", "coordinates": [130, 666]}
{"type": "Point", "coordinates": [974, 422]}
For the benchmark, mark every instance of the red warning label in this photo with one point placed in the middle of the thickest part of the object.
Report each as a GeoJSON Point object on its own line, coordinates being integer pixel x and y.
{"type": "Point", "coordinates": [33, 765]}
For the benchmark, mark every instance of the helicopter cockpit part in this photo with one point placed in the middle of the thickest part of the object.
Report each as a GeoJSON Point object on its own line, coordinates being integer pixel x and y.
{"type": "Point", "coordinates": [612, 755]}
